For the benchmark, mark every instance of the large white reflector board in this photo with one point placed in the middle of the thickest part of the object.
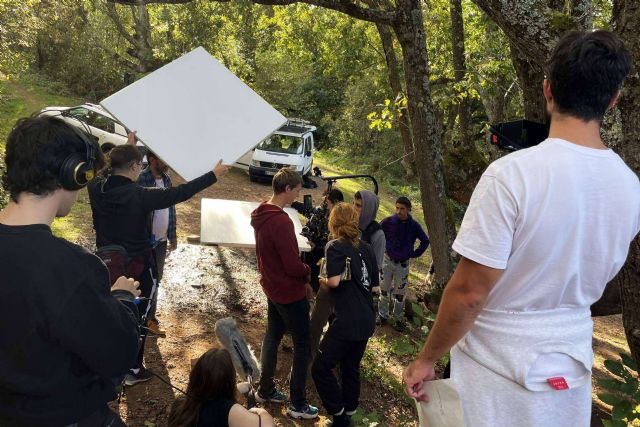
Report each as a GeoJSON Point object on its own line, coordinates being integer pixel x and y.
{"type": "Point", "coordinates": [228, 223]}
{"type": "Point", "coordinates": [193, 112]}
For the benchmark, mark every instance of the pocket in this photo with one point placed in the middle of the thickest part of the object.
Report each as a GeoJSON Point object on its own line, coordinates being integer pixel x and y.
{"type": "Point", "coordinates": [557, 359]}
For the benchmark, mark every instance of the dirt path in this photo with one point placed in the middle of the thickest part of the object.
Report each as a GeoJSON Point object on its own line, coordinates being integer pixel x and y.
{"type": "Point", "coordinates": [205, 283]}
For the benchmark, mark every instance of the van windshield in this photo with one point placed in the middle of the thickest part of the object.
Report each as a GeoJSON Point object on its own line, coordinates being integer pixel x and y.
{"type": "Point", "coordinates": [282, 144]}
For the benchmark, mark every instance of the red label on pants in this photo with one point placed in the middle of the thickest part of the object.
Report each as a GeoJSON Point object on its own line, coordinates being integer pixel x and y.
{"type": "Point", "coordinates": [558, 383]}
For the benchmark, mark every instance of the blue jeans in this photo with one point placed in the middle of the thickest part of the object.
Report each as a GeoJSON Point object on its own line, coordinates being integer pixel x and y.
{"type": "Point", "coordinates": [294, 319]}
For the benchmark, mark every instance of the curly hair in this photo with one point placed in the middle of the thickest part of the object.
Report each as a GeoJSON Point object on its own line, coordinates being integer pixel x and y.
{"type": "Point", "coordinates": [343, 223]}
{"type": "Point", "coordinates": [36, 150]}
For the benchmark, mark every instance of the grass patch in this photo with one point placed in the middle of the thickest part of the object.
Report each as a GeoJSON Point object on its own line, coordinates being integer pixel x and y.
{"type": "Point", "coordinates": [77, 226]}
{"type": "Point", "coordinates": [24, 95]}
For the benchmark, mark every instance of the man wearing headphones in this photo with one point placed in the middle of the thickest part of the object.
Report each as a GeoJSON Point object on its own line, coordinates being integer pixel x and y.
{"type": "Point", "coordinates": [67, 336]}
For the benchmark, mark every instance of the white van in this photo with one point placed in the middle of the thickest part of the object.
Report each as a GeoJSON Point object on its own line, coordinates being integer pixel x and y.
{"type": "Point", "coordinates": [290, 146]}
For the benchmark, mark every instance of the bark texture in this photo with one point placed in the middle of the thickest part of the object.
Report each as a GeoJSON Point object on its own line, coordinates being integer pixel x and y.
{"type": "Point", "coordinates": [626, 18]}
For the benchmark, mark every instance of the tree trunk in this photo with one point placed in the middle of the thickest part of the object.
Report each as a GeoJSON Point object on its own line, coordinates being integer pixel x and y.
{"type": "Point", "coordinates": [463, 162]}
{"type": "Point", "coordinates": [409, 29]}
{"type": "Point", "coordinates": [626, 18]}
{"type": "Point", "coordinates": [142, 48]}
{"type": "Point", "coordinates": [393, 70]}
{"type": "Point", "coordinates": [530, 76]}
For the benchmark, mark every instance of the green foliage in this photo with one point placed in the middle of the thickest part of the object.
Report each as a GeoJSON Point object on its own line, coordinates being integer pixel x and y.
{"type": "Point", "coordinates": [360, 419]}
{"type": "Point", "coordinates": [622, 391]}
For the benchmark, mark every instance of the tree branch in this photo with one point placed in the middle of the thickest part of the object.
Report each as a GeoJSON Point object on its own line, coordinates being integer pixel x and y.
{"type": "Point", "coordinates": [113, 15]}
{"type": "Point", "coordinates": [387, 17]}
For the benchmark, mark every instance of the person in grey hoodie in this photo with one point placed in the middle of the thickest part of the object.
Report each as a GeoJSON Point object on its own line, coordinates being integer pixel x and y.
{"type": "Point", "coordinates": [366, 203]}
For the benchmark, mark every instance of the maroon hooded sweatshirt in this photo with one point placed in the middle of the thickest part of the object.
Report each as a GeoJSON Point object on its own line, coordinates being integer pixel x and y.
{"type": "Point", "coordinates": [282, 273]}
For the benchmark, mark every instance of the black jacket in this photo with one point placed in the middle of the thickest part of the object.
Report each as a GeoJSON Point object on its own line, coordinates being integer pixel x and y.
{"type": "Point", "coordinates": [64, 337]}
{"type": "Point", "coordinates": [122, 209]}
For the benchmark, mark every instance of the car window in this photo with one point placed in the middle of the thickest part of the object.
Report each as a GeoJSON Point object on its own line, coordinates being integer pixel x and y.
{"type": "Point", "coordinates": [79, 113]}
{"type": "Point", "coordinates": [101, 122]}
{"type": "Point", "coordinates": [282, 144]}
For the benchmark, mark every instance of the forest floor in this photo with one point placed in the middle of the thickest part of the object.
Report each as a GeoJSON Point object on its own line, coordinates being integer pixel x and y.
{"type": "Point", "coordinates": [205, 283]}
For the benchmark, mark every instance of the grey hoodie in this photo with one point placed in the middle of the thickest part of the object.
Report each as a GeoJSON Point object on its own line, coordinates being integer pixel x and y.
{"type": "Point", "coordinates": [370, 204]}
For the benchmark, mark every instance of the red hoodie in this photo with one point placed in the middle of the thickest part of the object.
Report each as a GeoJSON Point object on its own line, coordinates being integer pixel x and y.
{"type": "Point", "coordinates": [282, 274]}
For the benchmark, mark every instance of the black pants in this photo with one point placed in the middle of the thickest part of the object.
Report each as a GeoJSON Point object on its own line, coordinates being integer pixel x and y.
{"type": "Point", "coordinates": [346, 354]}
{"type": "Point", "coordinates": [148, 289]}
{"type": "Point", "coordinates": [160, 254]}
{"type": "Point", "coordinates": [281, 318]}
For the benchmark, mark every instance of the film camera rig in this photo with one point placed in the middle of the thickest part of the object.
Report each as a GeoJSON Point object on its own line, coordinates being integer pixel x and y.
{"type": "Point", "coordinates": [311, 230]}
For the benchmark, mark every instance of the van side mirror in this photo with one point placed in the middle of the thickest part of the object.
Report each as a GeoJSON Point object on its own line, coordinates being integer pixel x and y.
{"type": "Point", "coordinates": [307, 153]}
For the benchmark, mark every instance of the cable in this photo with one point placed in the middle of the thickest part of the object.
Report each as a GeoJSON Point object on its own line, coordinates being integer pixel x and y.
{"type": "Point", "coordinates": [166, 382]}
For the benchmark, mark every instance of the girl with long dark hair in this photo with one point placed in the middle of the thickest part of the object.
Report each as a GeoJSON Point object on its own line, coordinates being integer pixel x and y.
{"type": "Point", "coordinates": [212, 397]}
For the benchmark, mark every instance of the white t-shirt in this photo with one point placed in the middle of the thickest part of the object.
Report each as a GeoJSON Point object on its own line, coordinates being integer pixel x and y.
{"type": "Point", "coordinates": [558, 218]}
{"type": "Point", "coordinates": [160, 219]}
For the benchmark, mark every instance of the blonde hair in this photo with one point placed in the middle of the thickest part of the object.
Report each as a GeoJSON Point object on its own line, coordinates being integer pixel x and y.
{"type": "Point", "coordinates": [343, 223]}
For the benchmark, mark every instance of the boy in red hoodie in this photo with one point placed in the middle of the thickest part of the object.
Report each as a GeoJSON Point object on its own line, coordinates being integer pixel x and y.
{"type": "Point", "coordinates": [285, 281]}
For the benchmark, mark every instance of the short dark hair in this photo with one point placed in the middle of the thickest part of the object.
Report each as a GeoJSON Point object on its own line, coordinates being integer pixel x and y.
{"type": "Point", "coordinates": [335, 196]}
{"type": "Point", "coordinates": [123, 156]}
{"type": "Point", "coordinates": [357, 195]}
{"type": "Point", "coordinates": [36, 150]}
{"type": "Point", "coordinates": [284, 177]}
{"type": "Point", "coordinates": [151, 155]}
{"type": "Point", "coordinates": [404, 201]}
{"type": "Point", "coordinates": [585, 71]}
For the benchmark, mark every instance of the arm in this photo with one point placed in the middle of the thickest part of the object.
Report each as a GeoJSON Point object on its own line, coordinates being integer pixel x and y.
{"type": "Point", "coordinates": [99, 326]}
{"type": "Point", "coordinates": [162, 198]}
{"type": "Point", "coordinates": [464, 298]}
{"type": "Point", "coordinates": [254, 417]}
{"type": "Point", "coordinates": [424, 242]}
{"type": "Point", "coordinates": [378, 243]}
{"type": "Point", "coordinates": [286, 245]}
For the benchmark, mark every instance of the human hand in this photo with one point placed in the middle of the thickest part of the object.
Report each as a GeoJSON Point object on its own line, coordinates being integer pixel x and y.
{"type": "Point", "coordinates": [259, 411]}
{"type": "Point", "coordinates": [220, 169]}
{"type": "Point", "coordinates": [243, 387]}
{"type": "Point", "coordinates": [414, 375]}
{"type": "Point", "coordinates": [132, 138]}
{"type": "Point", "coordinates": [323, 281]}
{"type": "Point", "coordinates": [129, 285]}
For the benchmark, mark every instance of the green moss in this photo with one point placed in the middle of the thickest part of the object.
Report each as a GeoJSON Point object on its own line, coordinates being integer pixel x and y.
{"type": "Point", "coordinates": [562, 21]}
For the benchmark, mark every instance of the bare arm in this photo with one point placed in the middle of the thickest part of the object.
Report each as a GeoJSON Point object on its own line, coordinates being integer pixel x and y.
{"type": "Point", "coordinates": [464, 298]}
{"type": "Point", "coordinates": [254, 417]}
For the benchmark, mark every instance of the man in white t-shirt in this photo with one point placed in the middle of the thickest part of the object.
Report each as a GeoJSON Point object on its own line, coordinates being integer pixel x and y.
{"type": "Point", "coordinates": [546, 229]}
{"type": "Point", "coordinates": [163, 228]}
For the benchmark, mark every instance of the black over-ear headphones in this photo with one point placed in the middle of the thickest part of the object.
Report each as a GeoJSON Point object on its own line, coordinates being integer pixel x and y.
{"type": "Point", "coordinates": [76, 171]}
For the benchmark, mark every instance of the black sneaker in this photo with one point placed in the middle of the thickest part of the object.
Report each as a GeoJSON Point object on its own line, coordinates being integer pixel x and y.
{"type": "Point", "coordinates": [342, 420]}
{"type": "Point", "coordinates": [138, 375]}
{"type": "Point", "coordinates": [380, 320]}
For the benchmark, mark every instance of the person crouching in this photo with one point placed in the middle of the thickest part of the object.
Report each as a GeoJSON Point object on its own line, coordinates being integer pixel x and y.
{"type": "Point", "coordinates": [351, 272]}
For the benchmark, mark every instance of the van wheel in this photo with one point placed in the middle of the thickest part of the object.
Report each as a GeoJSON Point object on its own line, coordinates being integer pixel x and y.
{"type": "Point", "coordinates": [253, 178]}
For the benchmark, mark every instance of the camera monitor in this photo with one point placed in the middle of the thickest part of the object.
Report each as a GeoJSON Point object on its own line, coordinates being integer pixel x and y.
{"type": "Point", "coordinates": [518, 134]}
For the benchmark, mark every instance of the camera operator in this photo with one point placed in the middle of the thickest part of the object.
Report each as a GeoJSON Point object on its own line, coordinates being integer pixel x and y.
{"type": "Point", "coordinates": [316, 231]}
{"type": "Point", "coordinates": [318, 235]}
{"type": "Point", "coordinates": [64, 336]}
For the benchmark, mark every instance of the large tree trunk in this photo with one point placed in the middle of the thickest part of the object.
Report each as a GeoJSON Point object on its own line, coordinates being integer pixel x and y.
{"type": "Point", "coordinates": [409, 29]}
{"type": "Point", "coordinates": [464, 164]}
{"type": "Point", "coordinates": [627, 24]}
{"type": "Point", "coordinates": [393, 70]}
{"type": "Point", "coordinates": [530, 76]}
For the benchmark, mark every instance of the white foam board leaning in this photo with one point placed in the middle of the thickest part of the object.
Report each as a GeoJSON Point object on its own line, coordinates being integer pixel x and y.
{"type": "Point", "coordinates": [228, 223]}
{"type": "Point", "coordinates": [193, 112]}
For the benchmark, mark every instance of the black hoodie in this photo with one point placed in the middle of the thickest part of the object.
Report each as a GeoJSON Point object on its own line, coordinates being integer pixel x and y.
{"type": "Point", "coordinates": [122, 209]}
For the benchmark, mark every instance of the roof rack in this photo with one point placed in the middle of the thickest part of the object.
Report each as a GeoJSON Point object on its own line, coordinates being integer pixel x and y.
{"type": "Point", "coordinates": [295, 125]}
